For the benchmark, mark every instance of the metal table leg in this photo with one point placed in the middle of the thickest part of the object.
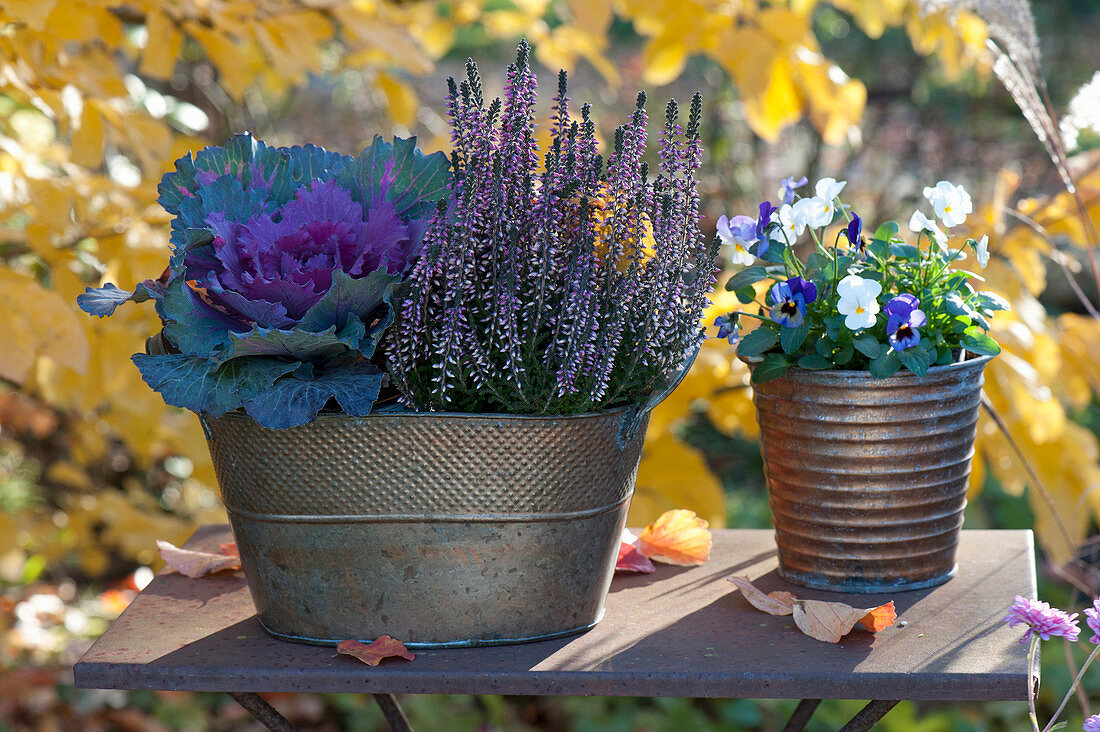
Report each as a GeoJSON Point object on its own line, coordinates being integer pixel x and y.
{"type": "Point", "coordinates": [870, 715]}
{"type": "Point", "coordinates": [395, 715]}
{"type": "Point", "coordinates": [801, 716]}
{"type": "Point", "coordinates": [264, 713]}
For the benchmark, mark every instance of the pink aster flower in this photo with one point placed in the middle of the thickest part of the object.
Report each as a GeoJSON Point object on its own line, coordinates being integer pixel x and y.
{"type": "Point", "coordinates": [1092, 619]}
{"type": "Point", "coordinates": [1042, 620]}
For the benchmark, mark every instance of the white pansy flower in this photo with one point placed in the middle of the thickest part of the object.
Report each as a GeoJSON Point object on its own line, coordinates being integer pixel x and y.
{"type": "Point", "coordinates": [789, 228]}
{"type": "Point", "coordinates": [813, 212]}
{"type": "Point", "coordinates": [858, 301]}
{"type": "Point", "coordinates": [951, 202]}
{"type": "Point", "coordinates": [981, 249]}
{"type": "Point", "coordinates": [918, 222]}
{"type": "Point", "coordinates": [828, 189]}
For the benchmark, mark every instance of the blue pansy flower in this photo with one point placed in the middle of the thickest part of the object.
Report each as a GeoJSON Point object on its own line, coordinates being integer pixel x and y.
{"type": "Point", "coordinates": [853, 233]}
{"type": "Point", "coordinates": [789, 301]}
{"type": "Point", "coordinates": [904, 318]}
{"type": "Point", "coordinates": [787, 187]}
{"type": "Point", "coordinates": [727, 328]}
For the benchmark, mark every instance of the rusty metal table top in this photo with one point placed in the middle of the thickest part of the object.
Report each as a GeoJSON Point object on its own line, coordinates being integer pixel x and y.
{"type": "Point", "coordinates": [677, 632]}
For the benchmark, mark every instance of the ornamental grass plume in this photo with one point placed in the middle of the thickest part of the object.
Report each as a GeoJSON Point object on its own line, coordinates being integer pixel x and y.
{"type": "Point", "coordinates": [556, 290]}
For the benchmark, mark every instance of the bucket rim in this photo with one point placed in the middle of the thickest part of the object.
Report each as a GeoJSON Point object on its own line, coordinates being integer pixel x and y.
{"type": "Point", "coordinates": [835, 375]}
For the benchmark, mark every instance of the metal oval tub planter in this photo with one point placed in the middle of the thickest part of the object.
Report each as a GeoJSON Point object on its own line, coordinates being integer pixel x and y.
{"type": "Point", "coordinates": [439, 529]}
{"type": "Point", "coordinates": [867, 477]}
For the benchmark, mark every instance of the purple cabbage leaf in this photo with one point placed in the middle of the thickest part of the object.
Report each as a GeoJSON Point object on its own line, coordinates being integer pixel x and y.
{"type": "Point", "coordinates": [282, 256]}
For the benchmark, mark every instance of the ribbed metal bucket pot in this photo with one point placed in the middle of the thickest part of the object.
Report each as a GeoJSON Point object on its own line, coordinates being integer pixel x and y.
{"type": "Point", "coordinates": [867, 477]}
{"type": "Point", "coordinates": [440, 530]}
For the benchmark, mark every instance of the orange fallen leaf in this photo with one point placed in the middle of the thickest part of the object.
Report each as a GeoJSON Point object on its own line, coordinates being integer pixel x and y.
{"type": "Point", "coordinates": [831, 621]}
{"type": "Point", "coordinates": [195, 564]}
{"type": "Point", "coordinates": [632, 560]}
{"type": "Point", "coordinates": [879, 618]}
{"type": "Point", "coordinates": [773, 603]}
{"type": "Point", "coordinates": [229, 549]}
{"type": "Point", "coordinates": [372, 653]}
{"type": "Point", "coordinates": [676, 537]}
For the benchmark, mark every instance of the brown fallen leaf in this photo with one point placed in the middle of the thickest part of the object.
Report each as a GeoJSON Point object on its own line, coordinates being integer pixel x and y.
{"type": "Point", "coordinates": [372, 653]}
{"type": "Point", "coordinates": [879, 618]}
{"type": "Point", "coordinates": [195, 564]}
{"type": "Point", "coordinates": [676, 537]}
{"type": "Point", "coordinates": [777, 602]}
{"type": "Point", "coordinates": [831, 621]}
{"type": "Point", "coordinates": [229, 549]}
{"type": "Point", "coordinates": [632, 560]}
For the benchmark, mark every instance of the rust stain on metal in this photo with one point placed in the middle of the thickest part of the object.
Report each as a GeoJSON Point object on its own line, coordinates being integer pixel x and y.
{"type": "Point", "coordinates": [438, 529]}
{"type": "Point", "coordinates": [867, 477]}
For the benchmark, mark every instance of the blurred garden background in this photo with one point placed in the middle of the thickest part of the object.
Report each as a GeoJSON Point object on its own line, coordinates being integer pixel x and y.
{"type": "Point", "coordinates": [99, 97]}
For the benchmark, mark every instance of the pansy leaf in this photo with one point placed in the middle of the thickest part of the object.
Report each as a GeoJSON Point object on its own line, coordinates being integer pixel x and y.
{"type": "Point", "coordinates": [757, 341]}
{"type": "Point", "coordinates": [914, 359]}
{"type": "Point", "coordinates": [885, 365]}
{"type": "Point", "coordinates": [194, 326]}
{"type": "Point", "coordinates": [102, 301]}
{"type": "Point", "coordinates": [791, 339]}
{"type": "Point", "coordinates": [772, 367]}
{"type": "Point", "coordinates": [844, 353]}
{"type": "Point", "coordinates": [295, 343]}
{"type": "Point", "coordinates": [746, 295]}
{"type": "Point", "coordinates": [904, 251]}
{"type": "Point", "coordinates": [814, 362]}
{"type": "Point", "coordinates": [818, 262]}
{"type": "Point", "coordinates": [834, 326]}
{"type": "Point", "coordinates": [294, 400]}
{"type": "Point", "coordinates": [824, 347]}
{"type": "Point", "coordinates": [886, 231]}
{"type": "Point", "coordinates": [979, 342]}
{"type": "Point", "coordinates": [194, 383]}
{"type": "Point", "coordinates": [868, 346]}
{"type": "Point", "coordinates": [776, 251]}
{"type": "Point", "coordinates": [991, 301]}
{"type": "Point", "coordinates": [746, 277]}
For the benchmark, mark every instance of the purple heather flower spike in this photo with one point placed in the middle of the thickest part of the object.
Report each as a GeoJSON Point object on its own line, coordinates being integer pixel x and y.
{"type": "Point", "coordinates": [1092, 619]}
{"type": "Point", "coordinates": [904, 317]}
{"type": "Point", "coordinates": [787, 187]}
{"type": "Point", "coordinates": [1041, 620]}
{"type": "Point", "coordinates": [789, 301]}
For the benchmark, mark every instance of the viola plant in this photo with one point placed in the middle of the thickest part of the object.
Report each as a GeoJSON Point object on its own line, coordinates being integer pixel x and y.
{"type": "Point", "coordinates": [274, 299]}
{"type": "Point", "coordinates": [558, 288]}
{"type": "Point", "coordinates": [873, 302]}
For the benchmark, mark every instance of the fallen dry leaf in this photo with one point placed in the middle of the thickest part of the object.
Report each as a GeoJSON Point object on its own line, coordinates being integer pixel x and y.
{"type": "Point", "coordinates": [229, 549]}
{"type": "Point", "coordinates": [773, 603]}
{"type": "Point", "coordinates": [195, 564]}
{"type": "Point", "coordinates": [632, 560]}
{"type": "Point", "coordinates": [372, 653]}
{"type": "Point", "coordinates": [831, 621]}
{"type": "Point", "coordinates": [676, 537]}
{"type": "Point", "coordinates": [879, 618]}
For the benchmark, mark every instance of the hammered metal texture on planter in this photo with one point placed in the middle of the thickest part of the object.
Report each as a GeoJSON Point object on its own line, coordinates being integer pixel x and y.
{"type": "Point", "coordinates": [867, 477]}
{"type": "Point", "coordinates": [436, 529]}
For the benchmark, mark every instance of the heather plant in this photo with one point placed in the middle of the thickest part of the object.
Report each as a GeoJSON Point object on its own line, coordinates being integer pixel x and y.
{"type": "Point", "coordinates": [274, 298]}
{"type": "Point", "coordinates": [555, 290]}
{"type": "Point", "coordinates": [873, 303]}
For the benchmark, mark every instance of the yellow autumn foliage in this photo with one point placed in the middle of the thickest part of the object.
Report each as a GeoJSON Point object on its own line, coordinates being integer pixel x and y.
{"type": "Point", "coordinates": [85, 136]}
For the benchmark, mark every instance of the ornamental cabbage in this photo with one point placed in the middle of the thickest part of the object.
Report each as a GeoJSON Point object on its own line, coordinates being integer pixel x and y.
{"type": "Point", "coordinates": [277, 289]}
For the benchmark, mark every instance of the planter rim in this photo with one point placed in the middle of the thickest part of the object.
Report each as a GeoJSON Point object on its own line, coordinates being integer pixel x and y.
{"type": "Point", "coordinates": [977, 362]}
{"type": "Point", "coordinates": [495, 416]}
